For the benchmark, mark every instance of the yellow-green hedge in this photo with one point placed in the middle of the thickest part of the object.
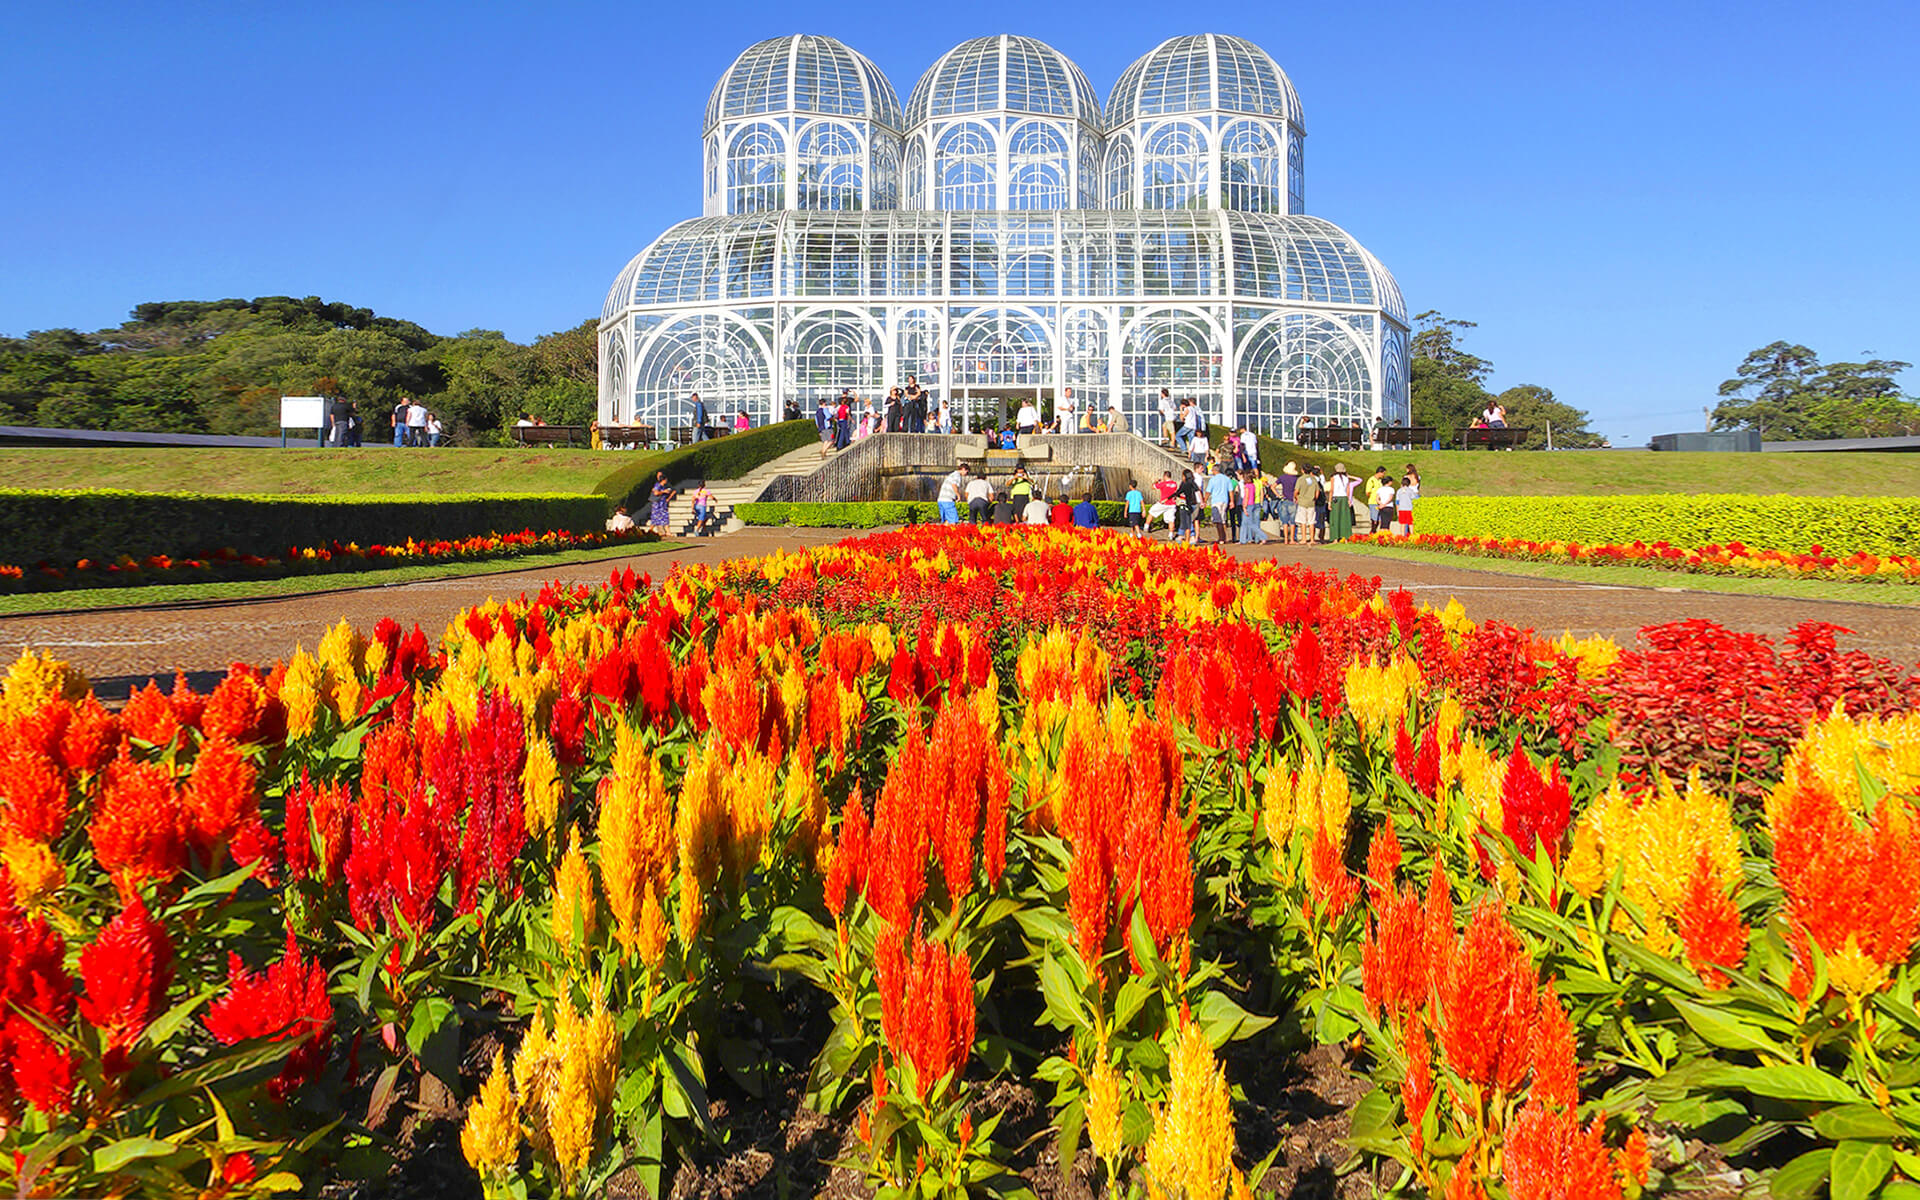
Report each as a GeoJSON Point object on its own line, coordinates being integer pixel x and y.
{"type": "Point", "coordinates": [1839, 524]}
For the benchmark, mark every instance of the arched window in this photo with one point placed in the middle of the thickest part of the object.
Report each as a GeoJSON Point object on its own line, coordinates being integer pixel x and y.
{"type": "Point", "coordinates": [706, 353]}
{"type": "Point", "coordinates": [1030, 274]}
{"type": "Point", "coordinates": [1302, 364]}
{"type": "Point", "coordinates": [913, 190]}
{"type": "Point", "coordinates": [1000, 348]}
{"type": "Point", "coordinates": [885, 187]}
{"type": "Point", "coordinates": [1089, 179]}
{"type": "Point", "coordinates": [831, 350]}
{"type": "Point", "coordinates": [1296, 173]}
{"type": "Point", "coordinates": [1037, 167]}
{"type": "Point", "coordinates": [964, 168]}
{"type": "Point", "coordinates": [618, 401]}
{"type": "Point", "coordinates": [917, 345]}
{"type": "Point", "coordinates": [1084, 342]}
{"type": "Point", "coordinates": [1173, 166]}
{"type": "Point", "coordinates": [1251, 175]}
{"type": "Point", "coordinates": [1120, 172]}
{"type": "Point", "coordinates": [831, 171]}
{"type": "Point", "coordinates": [1175, 349]}
{"type": "Point", "coordinates": [757, 170]}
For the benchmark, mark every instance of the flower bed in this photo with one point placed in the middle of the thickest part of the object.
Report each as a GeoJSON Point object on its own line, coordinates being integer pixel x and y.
{"type": "Point", "coordinates": [1733, 559]}
{"type": "Point", "coordinates": [310, 560]}
{"type": "Point", "coordinates": [1883, 525]}
{"type": "Point", "coordinates": [897, 828]}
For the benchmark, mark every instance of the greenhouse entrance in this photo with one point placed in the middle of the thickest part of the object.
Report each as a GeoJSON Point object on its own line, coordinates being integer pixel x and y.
{"type": "Point", "coordinates": [978, 406]}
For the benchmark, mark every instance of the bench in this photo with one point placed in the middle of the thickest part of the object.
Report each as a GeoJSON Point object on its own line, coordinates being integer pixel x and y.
{"type": "Point", "coordinates": [1410, 437]}
{"type": "Point", "coordinates": [683, 434]}
{"type": "Point", "coordinates": [550, 435]}
{"type": "Point", "coordinates": [1493, 439]}
{"type": "Point", "coordinates": [1327, 437]}
{"type": "Point", "coordinates": [627, 437]}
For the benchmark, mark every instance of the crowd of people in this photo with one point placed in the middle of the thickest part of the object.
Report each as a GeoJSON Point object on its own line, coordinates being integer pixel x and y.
{"type": "Point", "coordinates": [413, 423]}
{"type": "Point", "coordinates": [1020, 502]}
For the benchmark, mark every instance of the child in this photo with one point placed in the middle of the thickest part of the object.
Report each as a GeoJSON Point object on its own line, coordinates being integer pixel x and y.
{"type": "Point", "coordinates": [1403, 499]}
{"type": "Point", "coordinates": [1136, 510]}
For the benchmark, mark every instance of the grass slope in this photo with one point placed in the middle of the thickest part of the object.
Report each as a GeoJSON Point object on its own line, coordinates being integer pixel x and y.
{"type": "Point", "coordinates": [1638, 472]}
{"type": "Point", "coordinates": [1902, 595]}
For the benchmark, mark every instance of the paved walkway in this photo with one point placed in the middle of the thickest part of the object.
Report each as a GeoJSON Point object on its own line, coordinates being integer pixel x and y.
{"type": "Point", "coordinates": [121, 650]}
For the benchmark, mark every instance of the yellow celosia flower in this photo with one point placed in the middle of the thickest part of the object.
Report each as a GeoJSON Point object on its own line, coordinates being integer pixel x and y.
{"type": "Point", "coordinates": [1653, 842]}
{"type": "Point", "coordinates": [748, 794]}
{"type": "Point", "coordinates": [340, 653]}
{"type": "Point", "coordinates": [1855, 972]}
{"type": "Point", "coordinates": [793, 698]}
{"type": "Point", "coordinates": [650, 936]}
{"type": "Point", "coordinates": [1888, 748]}
{"type": "Point", "coordinates": [1336, 805]}
{"type": "Point", "coordinates": [1595, 654]}
{"type": "Point", "coordinates": [701, 819]}
{"type": "Point", "coordinates": [693, 905]}
{"type": "Point", "coordinates": [34, 679]}
{"type": "Point", "coordinates": [802, 798]}
{"type": "Point", "coordinates": [1106, 1102]}
{"type": "Point", "coordinates": [35, 870]}
{"type": "Point", "coordinates": [540, 788]}
{"type": "Point", "coordinates": [1190, 1155]}
{"type": "Point", "coordinates": [490, 1138]}
{"type": "Point", "coordinates": [1586, 869]}
{"type": "Point", "coordinates": [1483, 776]}
{"type": "Point", "coordinates": [1378, 693]}
{"type": "Point", "coordinates": [636, 834]}
{"type": "Point", "coordinates": [459, 686]}
{"type": "Point", "coordinates": [1276, 805]}
{"type": "Point", "coordinates": [302, 691]}
{"type": "Point", "coordinates": [573, 902]}
{"type": "Point", "coordinates": [1306, 798]}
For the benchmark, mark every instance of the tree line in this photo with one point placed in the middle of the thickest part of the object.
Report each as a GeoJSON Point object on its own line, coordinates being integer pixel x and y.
{"type": "Point", "coordinates": [1789, 395]}
{"type": "Point", "coordinates": [1447, 385]}
{"type": "Point", "coordinates": [221, 366]}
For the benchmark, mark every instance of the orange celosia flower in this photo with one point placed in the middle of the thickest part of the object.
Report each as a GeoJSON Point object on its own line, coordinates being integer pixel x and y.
{"type": "Point", "coordinates": [1416, 1086]}
{"type": "Point", "coordinates": [927, 1007]}
{"type": "Point", "coordinates": [239, 708]}
{"type": "Point", "coordinates": [219, 796]}
{"type": "Point", "coordinates": [1488, 1003]}
{"type": "Point", "coordinates": [1549, 1156]}
{"type": "Point", "coordinates": [1383, 861]}
{"type": "Point", "coordinates": [148, 717]}
{"type": "Point", "coordinates": [1395, 962]}
{"type": "Point", "coordinates": [1710, 925]}
{"type": "Point", "coordinates": [1850, 888]}
{"type": "Point", "coordinates": [34, 792]}
{"type": "Point", "coordinates": [847, 871]}
{"type": "Point", "coordinates": [139, 829]}
{"type": "Point", "coordinates": [1556, 1067]}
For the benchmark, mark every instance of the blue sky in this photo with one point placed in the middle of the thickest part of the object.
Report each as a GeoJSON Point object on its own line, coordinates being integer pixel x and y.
{"type": "Point", "coordinates": [1626, 197]}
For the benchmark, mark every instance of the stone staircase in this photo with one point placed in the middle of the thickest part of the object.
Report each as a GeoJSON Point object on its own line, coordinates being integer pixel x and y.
{"type": "Point", "coordinates": [729, 493]}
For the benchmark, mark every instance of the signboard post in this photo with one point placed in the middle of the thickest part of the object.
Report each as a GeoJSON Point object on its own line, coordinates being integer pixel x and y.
{"type": "Point", "coordinates": [303, 412]}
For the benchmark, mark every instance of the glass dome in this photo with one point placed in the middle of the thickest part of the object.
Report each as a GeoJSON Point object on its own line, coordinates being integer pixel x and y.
{"type": "Point", "coordinates": [1003, 73]}
{"type": "Point", "coordinates": [805, 73]}
{"type": "Point", "coordinates": [1208, 72]}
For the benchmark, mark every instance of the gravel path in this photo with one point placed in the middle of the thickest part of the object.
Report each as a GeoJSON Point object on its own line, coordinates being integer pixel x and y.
{"type": "Point", "coordinates": [121, 650]}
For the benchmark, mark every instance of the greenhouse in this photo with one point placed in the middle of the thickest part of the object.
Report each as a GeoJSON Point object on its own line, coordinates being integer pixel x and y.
{"type": "Point", "coordinates": [1003, 235]}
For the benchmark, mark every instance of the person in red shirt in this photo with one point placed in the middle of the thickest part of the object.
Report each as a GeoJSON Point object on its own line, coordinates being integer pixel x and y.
{"type": "Point", "coordinates": [1166, 487]}
{"type": "Point", "coordinates": [1062, 514]}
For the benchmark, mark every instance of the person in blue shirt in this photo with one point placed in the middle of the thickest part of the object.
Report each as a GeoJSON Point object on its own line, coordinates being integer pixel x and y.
{"type": "Point", "coordinates": [1219, 495]}
{"type": "Point", "coordinates": [1008, 439]}
{"type": "Point", "coordinates": [1136, 510]}
{"type": "Point", "coordinates": [1085, 515]}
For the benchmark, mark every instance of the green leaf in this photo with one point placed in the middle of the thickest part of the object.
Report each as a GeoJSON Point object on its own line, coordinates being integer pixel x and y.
{"type": "Point", "coordinates": [1719, 1028]}
{"type": "Point", "coordinates": [1224, 1021]}
{"type": "Point", "coordinates": [1802, 1177]}
{"type": "Point", "coordinates": [1373, 1123]}
{"type": "Point", "coordinates": [1071, 1121]}
{"type": "Point", "coordinates": [168, 1023]}
{"type": "Point", "coordinates": [1789, 1082]}
{"type": "Point", "coordinates": [1861, 1122]}
{"type": "Point", "coordinates": [1063, 999]}
{"type": "Point", "coordinates": [1859, 1168]}
{"type": "Point", "coordinates": [1136, 1124]}
{"type": "Point", "coordinates": [428, 1016]}
{"type": "Point", "coordinates": [110, 1158]}
{"type": "Point", "coordinates": [1900, 1189]}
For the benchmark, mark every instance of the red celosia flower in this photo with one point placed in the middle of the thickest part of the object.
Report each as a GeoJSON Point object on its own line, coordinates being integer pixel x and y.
{"type": "Point", "coordinates": [1331, 888]}
{"type": "Point", "coordinates": [897, 864]}
{"type": "Point", "coordinates": [1550, 1157]}
{"type": "Point", "coordinates": [1488, 1003]}
{"type": "Point", "coordinates": [288, 1000]}
{"type": "Point", "coordinates": [1535, 808]}
{"type": "Point", "coordinates": [241, 709]}
{"type": "Point", "coordinates": [1303, 674]}
{"type": "Point", "coordinates": [219, 795]}
{"type": "Point", "coordinates": [239, 1169]}
{"type": "Point", "coordinates": [1088, 903]}
{"type": "Point", "coordinates": [139, 830]}
{"type": "Point", "coordinates": [33, 979]}
{"type": "Point", "coordinates": [41, 1069]}
{"type": "Point", "coordinates": [125, 972]}
{"type": "Point", "coordinates": [569, 730]}
{"type": "Point", "coordinates": [1710, 925]}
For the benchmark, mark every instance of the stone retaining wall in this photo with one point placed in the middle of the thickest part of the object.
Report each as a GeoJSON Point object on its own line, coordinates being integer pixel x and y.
{"type": "Point", "coordinates": [856, 472]}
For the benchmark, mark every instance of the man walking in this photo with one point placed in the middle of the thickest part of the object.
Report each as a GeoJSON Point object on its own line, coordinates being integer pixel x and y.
{"type": "Point", "coordinates": [699, 418]}
{"type": "Point", "coordinates": [416, 423]}
{"type": "Point", "coordinates": [1168, 417]}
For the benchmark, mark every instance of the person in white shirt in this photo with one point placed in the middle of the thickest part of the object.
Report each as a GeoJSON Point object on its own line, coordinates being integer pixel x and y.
{"type": "Point", "coordinates": [620, 522]}
{"type": "Point", "coordinates": [1168, 417]}
{"type": "Point", "coordinates": [1036, 511]}
{"type": "Point", "coordinates": [950, 489]}
{"type": "Point", "coordinates": [979, 500]}
{"type": "Point", "coordinates": [1064, 410]}
{"type": "Point", "coordinates": [946, 417]}
{"type": "Point", "coordinates": [416, 424]}
{"type": "Point", "coordinates": [1028, 417]}
{"type": "Point", "coordinates": [1190, 422]}
{"type": "Point", "coordinates": [435, 430]}
{"type": "Point", "coordinates": [1250, 443]}
{"type": "Point", "coordinates": [1197, 447]}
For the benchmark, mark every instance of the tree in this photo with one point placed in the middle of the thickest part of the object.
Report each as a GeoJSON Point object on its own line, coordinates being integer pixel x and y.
{"type": "Point", "coordinates": [1784, 392]}
{"type": "Point", "coordinates": [1446, 384]}
{"type": "Point", "coordinates": [1533, 408]}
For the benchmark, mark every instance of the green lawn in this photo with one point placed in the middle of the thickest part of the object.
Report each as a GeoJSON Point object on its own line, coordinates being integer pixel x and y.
{"type": "Point", "coordinates": [1638, 472]}
{"type": "Point", "coordinates": [82, 599]}
{"type": "Point", "coordinates": [370, 470]}
{"type": "Point", "coordinates": [1902, 594]}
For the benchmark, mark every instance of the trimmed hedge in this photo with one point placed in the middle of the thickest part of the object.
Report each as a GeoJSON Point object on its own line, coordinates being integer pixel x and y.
{"type": "Point", "coordinates": [727, 457]}
{"type": "Point", "coordinates": [62, 527]}
{"type": "Point", "coordinates": [1839, 524]}
{"type": "Point", "coordinates": [873, 514]}
{"type": "Point", "coordinates": [1275, 453]}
